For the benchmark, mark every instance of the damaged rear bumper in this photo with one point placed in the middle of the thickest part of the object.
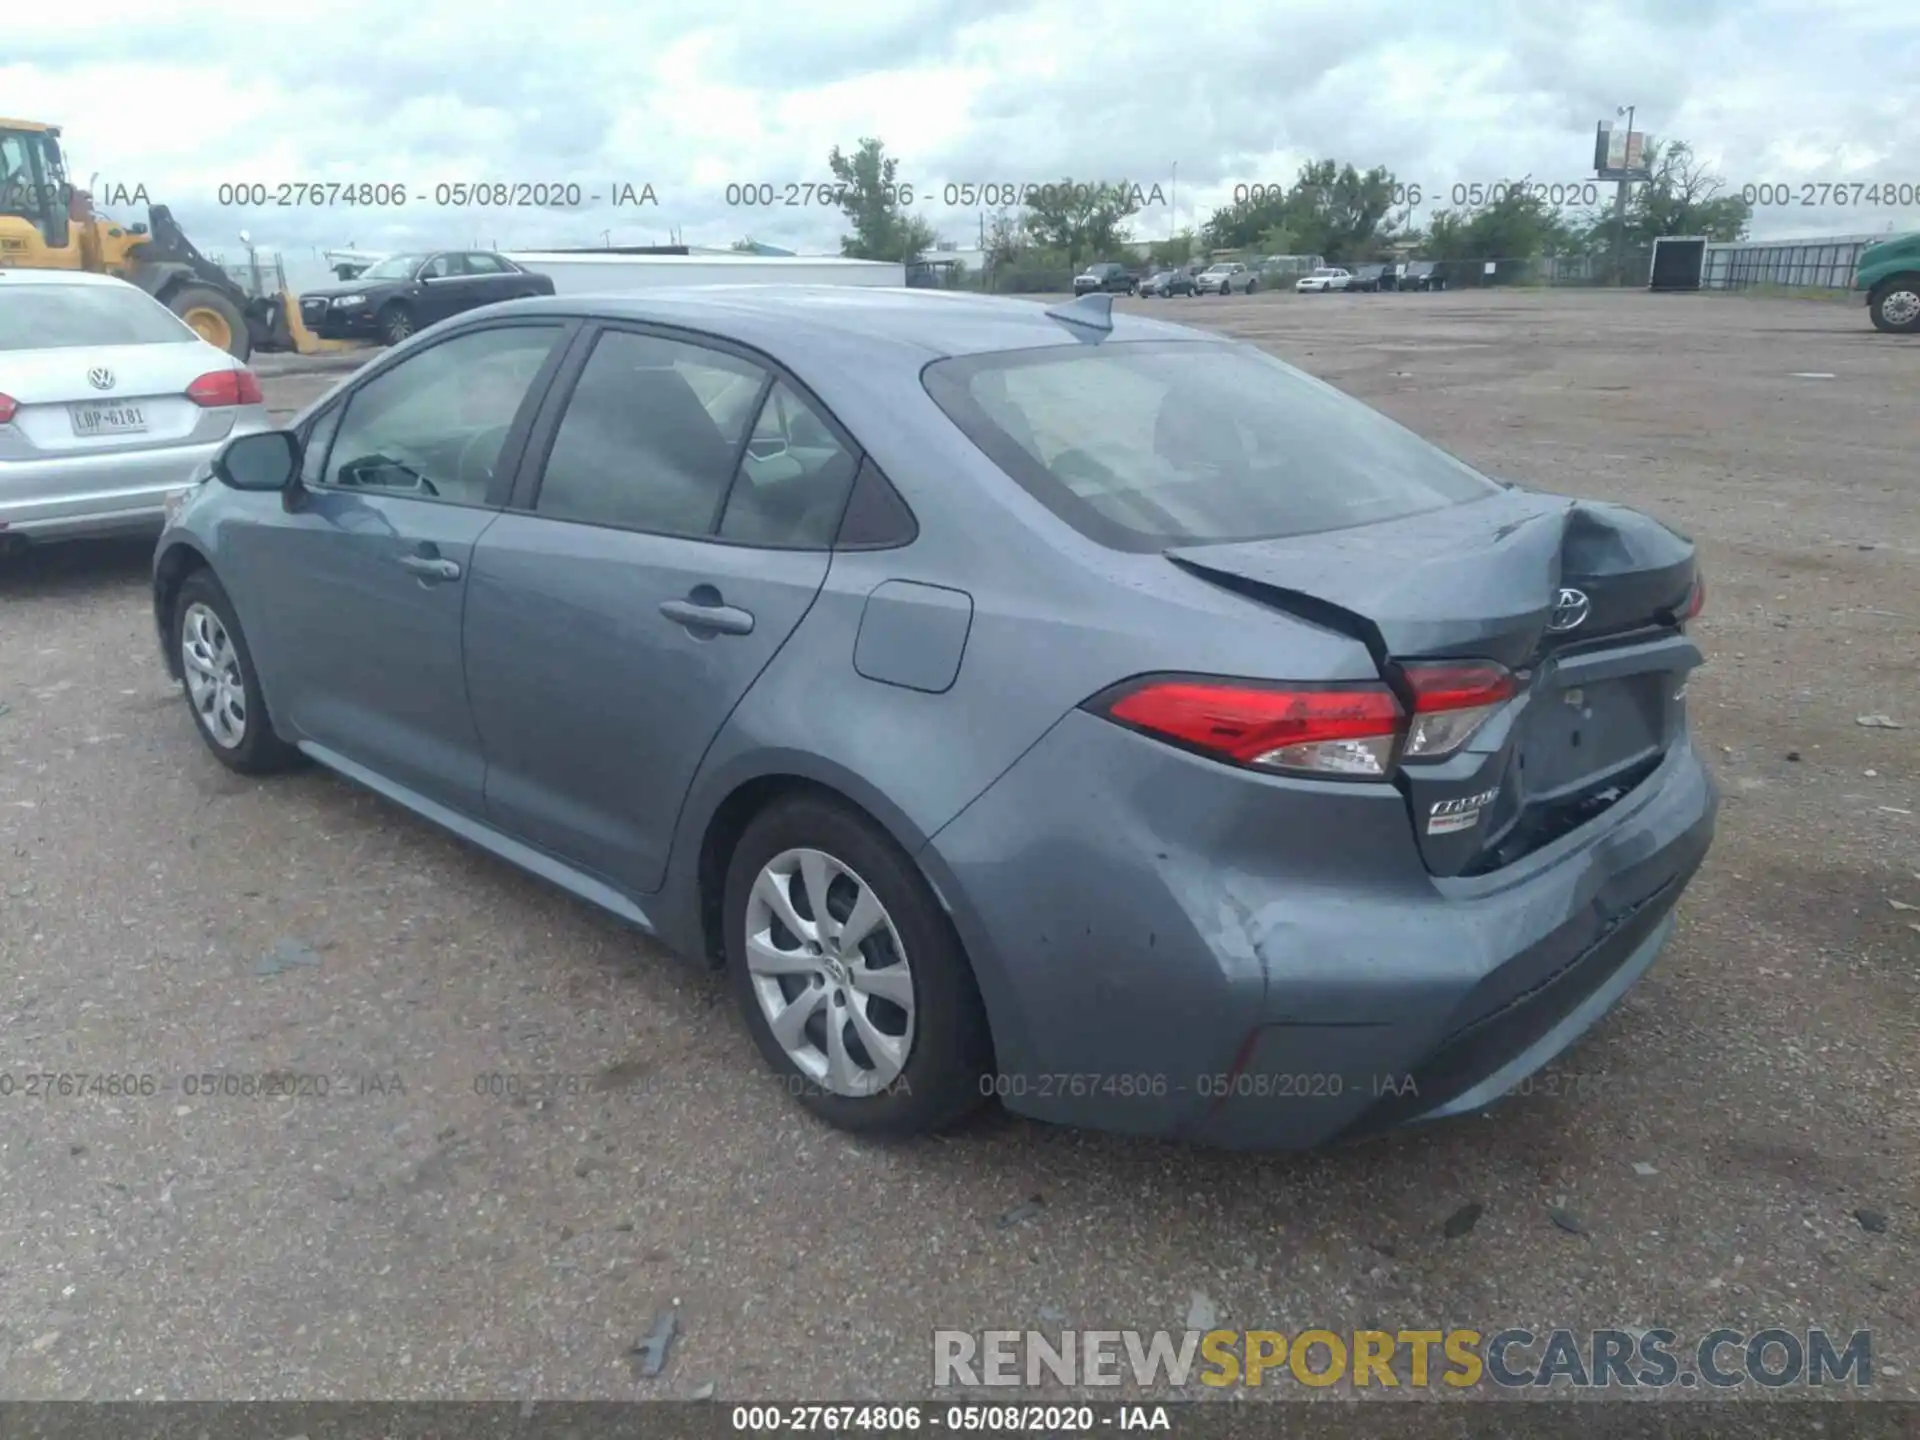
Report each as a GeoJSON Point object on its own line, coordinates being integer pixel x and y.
{"type": "Point", "coordinates": [1166, 950]}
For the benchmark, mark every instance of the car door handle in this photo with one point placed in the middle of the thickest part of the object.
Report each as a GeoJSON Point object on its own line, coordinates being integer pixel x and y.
{"type": "Point", "coordinates": [713, 616]}
{"type": "Point", "coordinates": [428, 567]}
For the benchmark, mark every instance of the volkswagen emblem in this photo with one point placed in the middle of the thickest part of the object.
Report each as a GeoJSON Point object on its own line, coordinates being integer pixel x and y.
{"type": "Point", "coordinates": [100, 378]}
{"type": "Point", "coordinates": [1570, 609]}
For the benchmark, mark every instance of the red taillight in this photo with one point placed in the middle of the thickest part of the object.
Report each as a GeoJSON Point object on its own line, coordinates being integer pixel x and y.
{"type": "Point", "coordinates": [1327, 730]}
{"type": "Point", "coordinates": [1696, 599]}
{"type": "Point", "coordinates": [1354, 731]}
{"type": "Point", "coordinates": [225, 387]}
{"type": "Point", "coordinates": [7, 408]}
{"type": "Point", "coordinates": [1451, 700]}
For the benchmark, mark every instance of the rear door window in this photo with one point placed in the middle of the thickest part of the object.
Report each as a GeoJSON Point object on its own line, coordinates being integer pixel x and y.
{"type": "Point", "coordinates": [793, 479]}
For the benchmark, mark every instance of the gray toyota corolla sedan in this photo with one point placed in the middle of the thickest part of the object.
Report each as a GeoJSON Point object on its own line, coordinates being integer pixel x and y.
{"type": "Point", "coordinates": [1047, 704]}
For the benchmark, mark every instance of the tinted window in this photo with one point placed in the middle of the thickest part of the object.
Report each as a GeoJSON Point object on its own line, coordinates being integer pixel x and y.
{"type": "Point", "coordinates": [313, 453]}
{"type": "Point", "coordinates": [478, 264]}
{"type": "Point", "coordinates": [394, 267]}
{"type": "Point", "coordinates": [650, 436]}
{"type": "Point", "coordinates": [46, 317]}
{"type": "Point", "coordinates": [433, 426]}
{"type": "Point", "coordinates": [1141, 446]}
{"type": "Point", "coordinates": [793, 481]}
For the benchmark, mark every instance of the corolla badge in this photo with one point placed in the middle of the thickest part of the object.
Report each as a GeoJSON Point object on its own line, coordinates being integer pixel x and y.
{"type": "Point", "coordinates": [1570, 609]}
{"type": "Point", "coordinates": [100, 378]}
{"type": "Point", "coordinates": [1445, 817]}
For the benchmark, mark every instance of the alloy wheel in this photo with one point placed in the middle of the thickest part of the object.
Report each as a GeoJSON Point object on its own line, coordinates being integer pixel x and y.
{"type": "Point", "coordinates": [212, 667]}
{"type": "Point", "coordinates": [830, 972]}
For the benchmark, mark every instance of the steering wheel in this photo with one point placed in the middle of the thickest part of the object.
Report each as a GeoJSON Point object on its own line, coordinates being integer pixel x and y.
{"type": "Point", "coordinates": [469, 457]}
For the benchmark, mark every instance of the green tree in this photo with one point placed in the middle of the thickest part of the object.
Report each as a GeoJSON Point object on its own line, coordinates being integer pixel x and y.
{"type": "Point", "coordinates": [1175, 250]}
{"type": "Point", "coordinates": [744, 247]}
{"type": "Point", "coordinates": [1005, 238]}
{"type": "Point", "coordinates": [1241, 225]}
{"type": "Point", "coordinates": [874, 201]}
{"type": "Point", "coordinates": [1682, 198]}
{"type": "Point", "coordinates": [1518, 225]}
{"type": "Point", "coordinates": [1278, 240]}
{"type": "Point", "coordinates": [1330, 209]}
{"type": "Point", "coordinates": [1087, 222]}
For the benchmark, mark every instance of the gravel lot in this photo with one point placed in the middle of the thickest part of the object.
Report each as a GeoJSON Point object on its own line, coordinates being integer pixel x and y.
{"type": "Point", "coordinates": [1716, 1141]}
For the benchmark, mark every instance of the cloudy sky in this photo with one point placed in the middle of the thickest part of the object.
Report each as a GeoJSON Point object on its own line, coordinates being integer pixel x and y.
{"type": "Point", "coordinates": [690, 98]}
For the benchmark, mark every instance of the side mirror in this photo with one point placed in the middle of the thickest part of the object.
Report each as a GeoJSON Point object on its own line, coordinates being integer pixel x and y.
{"type": "Point", "coordinates": [266, 460]}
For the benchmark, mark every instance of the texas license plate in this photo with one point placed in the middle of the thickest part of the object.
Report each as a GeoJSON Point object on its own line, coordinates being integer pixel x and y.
{"type": "Point", "coordinates": [90, 420]}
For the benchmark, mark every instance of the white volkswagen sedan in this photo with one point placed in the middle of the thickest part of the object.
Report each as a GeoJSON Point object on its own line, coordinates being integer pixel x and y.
{"type": "Point", "coordinates": [109, 403]}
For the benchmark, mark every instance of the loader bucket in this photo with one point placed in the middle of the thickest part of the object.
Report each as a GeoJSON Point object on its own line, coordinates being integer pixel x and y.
{"type": "Point", "coordinates": [290, 332]}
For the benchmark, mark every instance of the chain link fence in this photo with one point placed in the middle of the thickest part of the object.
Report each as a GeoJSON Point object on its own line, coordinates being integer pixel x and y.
{"type": "Point", "coordinates": [1629, 269]}
{"type": "Point", "coordinates": [1813, 266]}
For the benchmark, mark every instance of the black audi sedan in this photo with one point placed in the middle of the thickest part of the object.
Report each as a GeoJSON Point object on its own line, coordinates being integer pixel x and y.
{"type": "Point", "coordinates": [396, 296]}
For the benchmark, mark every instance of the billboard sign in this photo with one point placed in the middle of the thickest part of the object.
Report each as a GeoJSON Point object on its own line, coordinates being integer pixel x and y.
{"type": "Point", "coordinates": [1620, 154]}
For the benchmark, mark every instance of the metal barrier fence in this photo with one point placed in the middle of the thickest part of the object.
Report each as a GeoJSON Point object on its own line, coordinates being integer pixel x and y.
{"type": "Point", "coordinates": [1794, 264]}
{"type": "Point", "coordinates": [1631, 269]}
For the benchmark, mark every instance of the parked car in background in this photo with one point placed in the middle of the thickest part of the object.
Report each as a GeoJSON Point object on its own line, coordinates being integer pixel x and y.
{"type": "Point", "coordinates": [394, 297]}
{"type": "Point", "coordinates": [1422, 275]}
{"type": "Point", "coordinates": [1326, 278]}
{"type": "Point", "coordinates": [1108, 276]}
{"type": "Point", "coordinates": [1225, 278]}
{"type": "Point", "coordinates": [1164, 283]}
{"type": "Point", "coordinates": [1889, 273]}
{"type": "Point", "coordinates": [109, 404]}
{"type": "Point", "coordinates": [1253, 710]}
{"type": "Point", "coordinates": [1367, 278]}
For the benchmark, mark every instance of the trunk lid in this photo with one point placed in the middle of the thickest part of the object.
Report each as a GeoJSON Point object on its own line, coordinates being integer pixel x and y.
{"type": "Point", "coordinates": [1602, 676]}
{"type": "Point", "coordinates": [143, 405]}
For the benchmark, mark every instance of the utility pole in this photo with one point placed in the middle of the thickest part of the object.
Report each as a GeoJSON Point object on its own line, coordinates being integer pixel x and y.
{"type": "Point", "coordinates": [1620, 206]}
{"type": "Point", "coordinates": [1173, 205]}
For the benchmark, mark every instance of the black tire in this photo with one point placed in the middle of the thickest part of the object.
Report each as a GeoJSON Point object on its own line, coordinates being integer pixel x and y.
{"type": "Point", "coordinates": [396, 323]}
{"type": "Point", "coordinates": [1252, 285]}
{"type": "Point", "coordinates": [951, 1051]}
{"type": "Point", "coordinates": [260, 751]}
{"type": "Point", "coordinates": [1905, 286]}
{"type": "Point", "coordinates": [184, 300]}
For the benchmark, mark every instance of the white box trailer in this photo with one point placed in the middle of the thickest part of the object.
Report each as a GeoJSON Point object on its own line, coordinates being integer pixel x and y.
{"type": "Point", "coordinates": [575, 273]}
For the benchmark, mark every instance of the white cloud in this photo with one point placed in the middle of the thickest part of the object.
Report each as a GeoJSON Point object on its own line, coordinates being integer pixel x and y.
{"type": "Point", "coordinates": [691, 97]}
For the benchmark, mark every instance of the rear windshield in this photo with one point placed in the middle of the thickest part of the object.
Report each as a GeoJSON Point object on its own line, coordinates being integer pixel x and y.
{"type": "Point", "coordinates": [48, 317]}
{"type": "Point", "coordinates": [1146, 446]}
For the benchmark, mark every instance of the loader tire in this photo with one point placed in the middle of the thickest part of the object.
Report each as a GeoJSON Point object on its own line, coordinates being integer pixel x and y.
{"type": "Point", "coordinates": [214, 318]}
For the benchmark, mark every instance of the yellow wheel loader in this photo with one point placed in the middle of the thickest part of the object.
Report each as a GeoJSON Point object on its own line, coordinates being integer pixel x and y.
{"type": "Point", "coordinates": [46, 224]}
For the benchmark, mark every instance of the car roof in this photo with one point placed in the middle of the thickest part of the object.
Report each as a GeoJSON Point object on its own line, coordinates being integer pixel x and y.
{"type": "Point", "coordinates": [786, 321]}
{"type": "Point", "coordinates": [12, 276]}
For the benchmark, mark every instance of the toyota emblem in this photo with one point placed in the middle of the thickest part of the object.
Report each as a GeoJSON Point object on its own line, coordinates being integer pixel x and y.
{"type": "Point", "coordinates": [1570, 609]}
{"type": "Point", "coordinates": [100, 378]}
